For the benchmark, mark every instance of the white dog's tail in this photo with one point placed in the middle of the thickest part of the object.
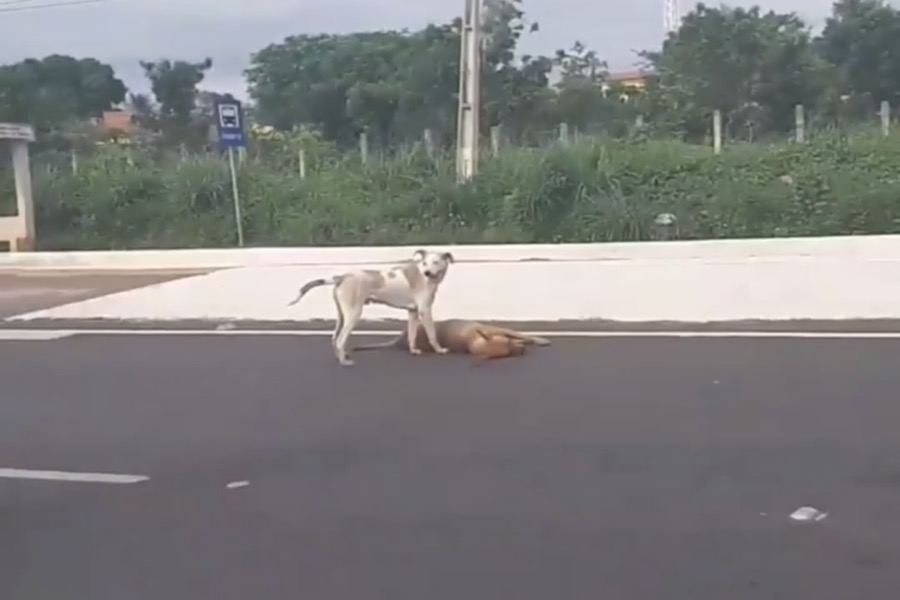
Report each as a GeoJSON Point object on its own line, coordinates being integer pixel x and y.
{"type": "Point", "coordinates": [314, 284]}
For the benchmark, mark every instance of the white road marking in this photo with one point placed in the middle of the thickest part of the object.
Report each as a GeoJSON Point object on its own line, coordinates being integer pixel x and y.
{"type": "Point", "coordinates": [71, 476]}
{"type": "Point", "coordinates": [237, 484]}
{"type": "Point", "coordinates": [53, 334]}
{"type": "Point", "coordinates": [35, 335]}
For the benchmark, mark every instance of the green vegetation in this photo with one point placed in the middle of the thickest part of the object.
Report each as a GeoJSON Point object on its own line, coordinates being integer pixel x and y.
{"type": "Point", "coordinates": [641, 151]}
{"type": "Point", "coordinates": [593, 190]}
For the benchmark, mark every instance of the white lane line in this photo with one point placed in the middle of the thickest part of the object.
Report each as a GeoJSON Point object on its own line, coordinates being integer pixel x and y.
{"type": "Point", "coordinates": [35, 335]}
{"type": "Point", "coordinates": [71, 476]}
{"type": "Point", "coordinates": [724, 334]}
{"type": "Point", "coordinates": [45, 334]}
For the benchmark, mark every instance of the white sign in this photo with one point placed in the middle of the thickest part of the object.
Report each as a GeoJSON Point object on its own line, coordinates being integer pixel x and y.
{"type": "Point", "coordinates": [15, 131]}
{"type": "Point", "coordinates": [228, 116]}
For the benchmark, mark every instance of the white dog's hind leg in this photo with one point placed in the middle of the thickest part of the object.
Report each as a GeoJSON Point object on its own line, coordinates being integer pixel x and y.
{"type": "Point", "coordinates": [412, 326]}
{"type": "Point", "coordinates": [339, 322]}
{"type": "Point", "coordinates": [351, 313]}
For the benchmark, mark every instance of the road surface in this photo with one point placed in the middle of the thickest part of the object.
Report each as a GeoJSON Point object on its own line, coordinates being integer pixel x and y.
{"type": "Point", "coordinates": [23, 290]}
{"type": "Point", "coordinates": [634, 469]}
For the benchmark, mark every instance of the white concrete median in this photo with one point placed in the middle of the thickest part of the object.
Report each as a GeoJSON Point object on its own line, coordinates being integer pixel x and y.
{"type": "Point", "coordinates": [857, 247]}
{"type": "Point", "coordinates": [811, 278]}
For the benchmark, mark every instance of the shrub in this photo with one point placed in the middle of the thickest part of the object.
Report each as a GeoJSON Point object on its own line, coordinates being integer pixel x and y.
{"type": "Point", "coordinates": [590, 191]}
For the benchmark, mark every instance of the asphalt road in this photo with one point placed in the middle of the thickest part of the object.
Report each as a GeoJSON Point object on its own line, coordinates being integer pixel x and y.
{"type": "Point", "coordinates": [633, 469]}
{"type": "Point", "coordinates": [22, 290]}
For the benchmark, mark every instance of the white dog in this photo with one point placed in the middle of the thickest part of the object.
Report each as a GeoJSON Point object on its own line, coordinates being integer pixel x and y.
{"type": "Point", "coordinates": [411, 286]}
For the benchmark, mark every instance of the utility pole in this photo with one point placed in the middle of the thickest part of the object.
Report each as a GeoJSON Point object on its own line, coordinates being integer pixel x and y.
{"type": "Point", "coordinates": [671, 16]}
{"type": "Point", "coordinates": [467, 123]}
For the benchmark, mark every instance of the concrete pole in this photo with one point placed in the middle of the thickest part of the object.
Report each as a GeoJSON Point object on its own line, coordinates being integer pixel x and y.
{"type": "Point", "coordinates": [468, 127]}
{"type": "Point", "coordinates": [24, 195]}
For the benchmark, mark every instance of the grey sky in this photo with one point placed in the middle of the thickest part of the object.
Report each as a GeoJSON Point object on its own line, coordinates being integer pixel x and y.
{"type": "Point", "coordinates": [122, 32]}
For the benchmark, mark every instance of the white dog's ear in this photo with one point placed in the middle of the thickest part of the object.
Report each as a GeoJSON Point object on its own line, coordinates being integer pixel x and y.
{"type": "Point", "coordinates": [448, 257]}
{"type": "Point", "coordinates": [419, 254]}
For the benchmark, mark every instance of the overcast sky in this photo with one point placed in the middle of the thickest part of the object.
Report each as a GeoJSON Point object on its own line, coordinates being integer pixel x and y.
{"type": "Point", "coordinates": [122, 32]}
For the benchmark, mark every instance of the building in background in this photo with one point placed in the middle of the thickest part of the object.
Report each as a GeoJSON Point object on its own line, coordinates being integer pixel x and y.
{"type": "Point", "coordinates": [118, 122]}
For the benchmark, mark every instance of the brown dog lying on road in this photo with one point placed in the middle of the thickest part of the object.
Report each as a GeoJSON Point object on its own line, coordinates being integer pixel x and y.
{"type": "Point", "coordinates": [462, 336]}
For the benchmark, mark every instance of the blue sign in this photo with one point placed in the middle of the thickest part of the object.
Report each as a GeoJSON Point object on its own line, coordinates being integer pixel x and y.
{"type": "Point", "coordinates": [230, 124]}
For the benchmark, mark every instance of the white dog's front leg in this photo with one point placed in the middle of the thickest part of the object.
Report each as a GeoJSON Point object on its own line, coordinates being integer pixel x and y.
{"type": "Point", "coordinates": [428, 324]}
{"type": "Point", "coordinates": [412, 326]}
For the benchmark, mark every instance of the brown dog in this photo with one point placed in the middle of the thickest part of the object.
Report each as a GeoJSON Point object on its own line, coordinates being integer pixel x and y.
{"type": "Point", "coordinates": [462, 336]}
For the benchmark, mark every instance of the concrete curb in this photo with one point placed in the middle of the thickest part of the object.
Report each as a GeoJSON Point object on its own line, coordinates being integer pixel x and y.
{"type": "Point", "coordinates": [874, 247]}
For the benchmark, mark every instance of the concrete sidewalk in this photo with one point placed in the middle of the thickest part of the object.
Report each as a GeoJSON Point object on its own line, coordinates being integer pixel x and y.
{"type": "Point", "coordinates": [687, 291]}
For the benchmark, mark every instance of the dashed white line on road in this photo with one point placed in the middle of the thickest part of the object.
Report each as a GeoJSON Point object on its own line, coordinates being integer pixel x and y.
{"type": "Point", "coordinates": [71, 476]}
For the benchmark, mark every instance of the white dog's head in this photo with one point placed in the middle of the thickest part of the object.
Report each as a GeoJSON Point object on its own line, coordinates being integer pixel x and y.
{"type": "Point", "coordinates": [433, 265]}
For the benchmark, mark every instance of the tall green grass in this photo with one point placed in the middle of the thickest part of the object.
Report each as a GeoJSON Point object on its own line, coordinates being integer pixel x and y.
{"type": "Point", "coordinates": [593, 190]}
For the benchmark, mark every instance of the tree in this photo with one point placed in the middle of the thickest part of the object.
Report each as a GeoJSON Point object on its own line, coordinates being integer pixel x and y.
{"type": "Point", "coordinates": [515, 93]}
{"type": "Point", "coordinates": [584, 98]}
{"type": "Point", "coordinates": [144, 110]}
{"type": "Point", "coordinates": [753, 67]}
{"type": "Point", "coordinates": [174, 85]}
{"type": "Point", "coordinates": [56, 90]}
{"type": "Point", "coordinates": [862, 40]}
{"type": "Point", "coordinates": [394, 84]}
{"type": "Point", "coordinates": [388, 82]}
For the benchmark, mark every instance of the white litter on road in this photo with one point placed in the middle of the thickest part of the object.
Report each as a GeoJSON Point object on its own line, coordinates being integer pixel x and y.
{"type": "Point", "coordinates": [71, 476]}
{"type": "Point", "coordinates": [808, 513]}
{"type": "Point", "coordinates": [237, 484]}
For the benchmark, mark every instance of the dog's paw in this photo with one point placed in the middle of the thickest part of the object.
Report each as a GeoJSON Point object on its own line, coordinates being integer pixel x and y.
{"type": "Point", "coordinates": [415, 351]}
{"type": "Point", "coordinates": [442, 350]}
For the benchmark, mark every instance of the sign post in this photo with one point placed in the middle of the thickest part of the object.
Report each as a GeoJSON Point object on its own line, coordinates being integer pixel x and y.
{"type": "Point", "coordinates": [230, 131]}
